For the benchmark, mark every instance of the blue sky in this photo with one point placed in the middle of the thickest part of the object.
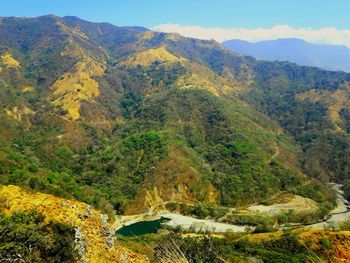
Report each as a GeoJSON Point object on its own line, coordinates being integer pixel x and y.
{"type": "Point", "coordinates": [206, 13]}
{"type": "Point", "coordinates": [218, 19]}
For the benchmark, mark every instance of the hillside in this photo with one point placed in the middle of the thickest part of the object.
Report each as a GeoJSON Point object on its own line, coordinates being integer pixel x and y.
{"type": "Point", "coordinates": [329, 57]}
{"type": "Point", "coordinates": [138, 118]}
{"type": "Point", "coordinates": [128, 120]}
{"type": "Point", "coordinates": [134, 118]}
{"type": "Point", "coordinates": [92, 239]}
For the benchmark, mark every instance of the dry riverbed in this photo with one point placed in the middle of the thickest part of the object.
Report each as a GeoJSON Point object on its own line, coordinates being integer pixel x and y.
{"type": "Point", "coordinates": [190, 223]}
{"type": "Point", "coordinates": [299, 204]}
{"type": "Point", "coordinates": [339, 214]}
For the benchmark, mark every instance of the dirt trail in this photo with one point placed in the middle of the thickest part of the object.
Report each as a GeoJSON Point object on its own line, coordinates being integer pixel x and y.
{"type": "Point", "coordinates": [274, 156]}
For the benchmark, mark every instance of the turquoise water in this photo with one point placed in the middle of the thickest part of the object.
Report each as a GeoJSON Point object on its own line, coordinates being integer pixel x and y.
{"type": "Point", "coordinates": [142, 227]}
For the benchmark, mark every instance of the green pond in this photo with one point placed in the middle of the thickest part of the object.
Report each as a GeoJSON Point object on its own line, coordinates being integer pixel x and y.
{"type": "Point", "coordinates": [142, 227]}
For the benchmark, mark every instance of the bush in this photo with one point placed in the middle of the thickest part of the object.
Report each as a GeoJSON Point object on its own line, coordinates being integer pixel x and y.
{"type": "Point", "coordinates": [17, 177]}
{"type": "Point", "coordinates": [263, 229]}
{"type": "Point", "coordinates": [25, 237]}
{"type": "Point", "coordinates": [32, 168]}
{"type": "Point", "coordinates": [36, 184]}
{"type": "Point", "coordinates": [198, 210]}
{"type": "Point", "coordinates": [253, 220]}
{"type": "Point", "coordinates": [345, 225]}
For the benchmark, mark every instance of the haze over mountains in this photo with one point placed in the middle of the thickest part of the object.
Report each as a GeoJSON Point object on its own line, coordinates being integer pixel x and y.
{"type": "Point", "coordinates": [330, 57]}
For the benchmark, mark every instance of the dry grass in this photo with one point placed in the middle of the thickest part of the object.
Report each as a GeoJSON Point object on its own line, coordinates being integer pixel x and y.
{"type": "Point", "coordinates": [73, 30]}
{"type": "Point", "coordinates": [76, 86]}
{"type": "Point", "coordinates": [19, 113]}
{"type": "Point", "coordinates": [27, 88]}
{"type": "Point", "coordinates": [338, 242]}
{"type": "Point", "coordinates": [334, 101]}
{"type": "Point", "coordinates": [203, 78]}
{"type": "Point", "coordinates": [332, 245]}
{"type": "Point", "coordinates": [146, 58]}
{"type": "Point", "coordinates": [148, 35]}
{"type": "Point", "coordinates": [169, 253]}
{"type": "Point", "coordinates": [263, 237]}
{"type": "Point", "coordinates": [71, 213]}
{"type": "Point", "coordinates": [8, 61]}
{"type": "Point", "coordinates": [299, 204]}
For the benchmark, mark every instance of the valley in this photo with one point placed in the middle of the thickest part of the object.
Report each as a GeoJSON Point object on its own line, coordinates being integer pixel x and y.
{"type": "Point", "coordinates": [339, 215]}
{"type": "Point", "coordinates": [102, 127]}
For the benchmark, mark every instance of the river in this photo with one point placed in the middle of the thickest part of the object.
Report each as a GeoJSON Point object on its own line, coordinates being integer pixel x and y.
{"type": "Point", "coordinates": [340, 214]}
{"type": "Point", "coordinates": [150, 222]}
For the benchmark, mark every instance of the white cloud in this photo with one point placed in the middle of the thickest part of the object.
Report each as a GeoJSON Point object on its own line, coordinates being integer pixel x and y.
{"type": "Point", "coordinates": [328, 35]}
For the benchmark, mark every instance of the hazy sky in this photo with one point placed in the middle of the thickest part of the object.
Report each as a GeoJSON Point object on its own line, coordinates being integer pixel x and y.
{"type": "Point", "coordinates": [315, 20]}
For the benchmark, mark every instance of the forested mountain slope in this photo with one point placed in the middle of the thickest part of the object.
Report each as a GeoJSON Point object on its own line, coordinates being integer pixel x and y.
{"type": "Point", "coordinates": [127, 119]}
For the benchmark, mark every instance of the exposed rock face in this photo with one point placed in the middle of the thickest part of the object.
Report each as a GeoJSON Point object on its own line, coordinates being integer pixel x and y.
{"type": "Point", "coordinates": [80, 244]}
{"type": "Point", "coordinates": [107, 231]}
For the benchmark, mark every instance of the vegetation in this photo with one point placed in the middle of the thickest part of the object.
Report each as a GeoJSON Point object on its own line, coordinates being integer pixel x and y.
{"type": "Point", "coordinates": [131, 120]}
{"type": "Point", "coordinates": [197, 210]}
{"type": "Point", "coordinates": [135, 116]}
{"type": "Point", "coordinates": [87, 227]}
{"type": "Point", "coordinates": [25, 237]}
{"type": "Point", "coordinates": [286, 246]}
{"type": "Point", "coordinates": [285, 249]}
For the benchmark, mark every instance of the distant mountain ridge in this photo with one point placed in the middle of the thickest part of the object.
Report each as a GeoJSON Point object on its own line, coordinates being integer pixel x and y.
{"type": "Point", "coordinates": [330, 57]}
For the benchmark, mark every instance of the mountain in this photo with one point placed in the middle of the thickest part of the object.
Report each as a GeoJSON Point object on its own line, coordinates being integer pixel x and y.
{"type": "Point", "coordinates": [135, 117]}
{"type": "Point", "coordinates": [132, 121]}
{"type": "Point", "coordinates": [330, 57]}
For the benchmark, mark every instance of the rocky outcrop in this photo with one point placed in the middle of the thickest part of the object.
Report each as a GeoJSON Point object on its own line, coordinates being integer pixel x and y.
{"type": "Point", "coordinates": [94, 239]}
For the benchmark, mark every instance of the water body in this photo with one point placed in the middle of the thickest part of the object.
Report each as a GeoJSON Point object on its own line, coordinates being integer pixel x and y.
{"type": "Point", "coordinates": [176, 220]}
{"type": "Point", "coordinates": [340, 214]}
{"type": "Point", "coordinates": [142, 227]}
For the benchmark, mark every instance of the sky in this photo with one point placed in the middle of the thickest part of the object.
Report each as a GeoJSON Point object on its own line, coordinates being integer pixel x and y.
{"type": "Point", "coordinates": [318, 21]}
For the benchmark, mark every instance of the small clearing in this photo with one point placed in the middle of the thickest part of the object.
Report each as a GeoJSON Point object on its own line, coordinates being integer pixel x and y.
{"type": "Point", "coordinates": [297, 203]}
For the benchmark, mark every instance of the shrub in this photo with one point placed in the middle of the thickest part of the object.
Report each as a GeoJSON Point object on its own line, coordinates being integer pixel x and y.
{"type": "Point", "coordinates": [17, 177]}
{"type": "Point", "coordinates": [253, 220]}
{"type": "Point", "coordinates": [345, 225]}
{"type": "Point", "coordinates": [32, 168]}
{"type": "Point", "coordinates": [25, 237]}
{"type": "Point", "coordinates": [263, 229]}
